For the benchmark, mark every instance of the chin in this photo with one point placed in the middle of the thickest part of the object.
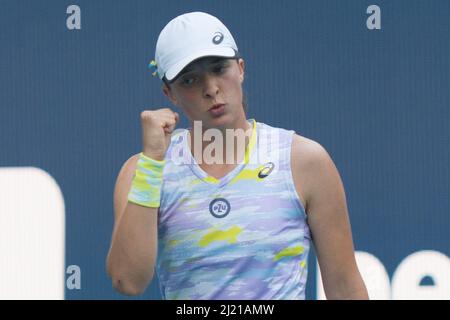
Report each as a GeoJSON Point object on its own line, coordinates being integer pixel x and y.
{"type": "Point", "coordinates": [222, 122]}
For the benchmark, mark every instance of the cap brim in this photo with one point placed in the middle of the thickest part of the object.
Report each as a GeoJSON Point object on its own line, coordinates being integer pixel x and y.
{"type": "Point", "coordinates": [215, 52]}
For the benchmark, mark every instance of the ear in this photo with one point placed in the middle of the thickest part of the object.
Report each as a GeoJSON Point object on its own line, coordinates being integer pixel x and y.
{"type": "Point", "coordinates": [241, 65]}
{"type": "Point", "coordinates": [169, 94]}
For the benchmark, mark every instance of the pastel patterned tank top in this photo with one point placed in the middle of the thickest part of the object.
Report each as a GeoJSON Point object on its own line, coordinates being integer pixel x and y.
{"type": "Point", "coordinates": [244, 236]}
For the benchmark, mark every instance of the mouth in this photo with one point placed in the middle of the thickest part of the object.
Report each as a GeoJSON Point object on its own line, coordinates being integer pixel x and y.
{"type": "Point", "coordinates": [217, 110]}
{"type": "Point", "coordinates": [216, 106]}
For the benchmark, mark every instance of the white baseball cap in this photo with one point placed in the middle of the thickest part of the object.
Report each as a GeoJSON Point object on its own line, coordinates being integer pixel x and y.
{"type": "Point", "coordinates": [188, 37]}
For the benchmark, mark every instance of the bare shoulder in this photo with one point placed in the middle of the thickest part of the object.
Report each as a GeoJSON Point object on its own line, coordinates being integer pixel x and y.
{"type": "Point", "coordinates": [309, 161]}
{"type": "Point", "coordinates": [306, 149]}
{"type": "Point", "coordinates": [123, 183]}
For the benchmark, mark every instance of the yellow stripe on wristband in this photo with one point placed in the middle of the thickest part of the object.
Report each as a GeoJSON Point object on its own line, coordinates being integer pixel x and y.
{"type": "Point", "coordinates": [147, 182]}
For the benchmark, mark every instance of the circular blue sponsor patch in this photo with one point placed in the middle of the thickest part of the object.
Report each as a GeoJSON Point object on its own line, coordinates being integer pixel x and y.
{"type": "Point", "coordinates": [219, 207]}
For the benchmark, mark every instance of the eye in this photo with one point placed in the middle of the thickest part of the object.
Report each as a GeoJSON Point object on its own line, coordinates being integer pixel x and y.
{"type": "Point", "coordinates": [187, 81]}
{"type": "Point", "coordinates": [219, 68]}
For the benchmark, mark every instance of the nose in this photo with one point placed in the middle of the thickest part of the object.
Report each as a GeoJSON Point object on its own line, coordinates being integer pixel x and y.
{"type": "Point", "coordinates": [210, 88]}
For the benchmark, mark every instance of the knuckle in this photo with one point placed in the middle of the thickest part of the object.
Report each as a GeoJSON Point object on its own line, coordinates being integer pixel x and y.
{"type": "Point", "coordinates": [145, 114]}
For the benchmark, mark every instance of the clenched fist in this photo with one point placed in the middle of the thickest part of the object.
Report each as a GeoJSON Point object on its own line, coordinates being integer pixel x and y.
{"type": "Point", "coordinates": [157, 127]}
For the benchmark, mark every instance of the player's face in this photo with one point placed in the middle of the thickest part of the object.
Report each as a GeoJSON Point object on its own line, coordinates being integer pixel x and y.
{"type": "Point", "coordinates": [206, 83]}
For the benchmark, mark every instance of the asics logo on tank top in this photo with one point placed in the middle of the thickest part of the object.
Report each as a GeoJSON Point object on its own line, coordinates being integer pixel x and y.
{"type": "Point", "coordinates": [218, 38]}
{"type": "Point", "coordinates": [219, 208]}
{"type": "Point", "coordinates": [268, 168]}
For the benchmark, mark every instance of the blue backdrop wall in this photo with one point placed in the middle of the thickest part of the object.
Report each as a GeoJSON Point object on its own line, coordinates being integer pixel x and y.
{"type": "Point", "coordinates": [377, 100]}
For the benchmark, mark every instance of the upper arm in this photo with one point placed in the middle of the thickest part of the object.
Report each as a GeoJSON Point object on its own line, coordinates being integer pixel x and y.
{"type": "Point", "coordinates": [123, 185]}
{"type": "Point", "coordinates": [327, 217]}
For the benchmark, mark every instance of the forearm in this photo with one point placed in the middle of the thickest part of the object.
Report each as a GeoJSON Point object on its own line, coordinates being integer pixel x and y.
{"type": "Point", "coordinates": [132, 256]}
{"type": "Point", "coordinates": [357, 294]}
{"type": "Point", "coordinates": [350, 288]}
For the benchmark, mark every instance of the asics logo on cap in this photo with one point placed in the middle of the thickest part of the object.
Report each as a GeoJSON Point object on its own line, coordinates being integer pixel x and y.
{"type": "Point", "coordinates": [218, 37]}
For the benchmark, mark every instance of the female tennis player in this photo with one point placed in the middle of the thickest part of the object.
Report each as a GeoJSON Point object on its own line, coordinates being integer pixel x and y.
{"type": "Point", "coordinates": [228, 208]}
